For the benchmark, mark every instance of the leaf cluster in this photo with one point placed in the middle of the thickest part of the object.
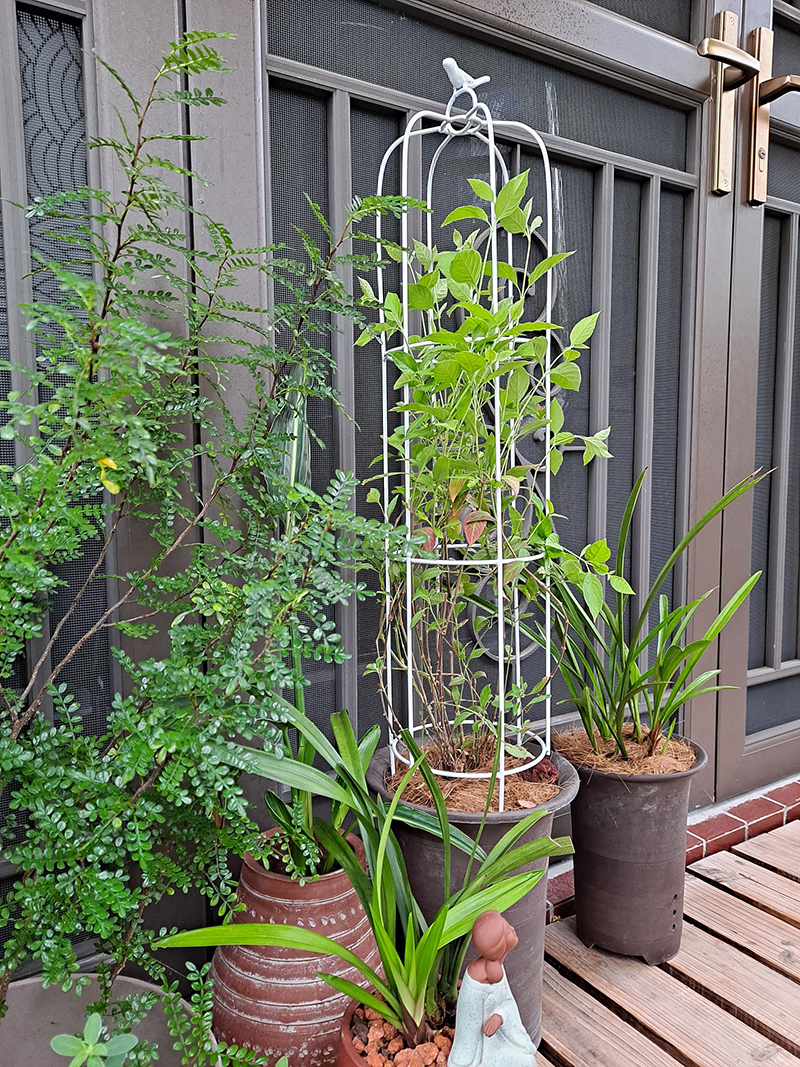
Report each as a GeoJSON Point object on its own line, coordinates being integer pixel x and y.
{"type": "Point", "coordinates": [644, 675]}
{"type": "Point", "coordinates": [156, 411]}
{"type": "Point", "coordinates": [420, 962]}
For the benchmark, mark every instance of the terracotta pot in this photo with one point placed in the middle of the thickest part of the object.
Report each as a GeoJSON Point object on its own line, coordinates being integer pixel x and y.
{"type": "Point", "coordinates": [348, 1057]}
{"type": "Point", "coordinates": [36, 1014]}
{"type": "Point", "coordinates": [629, 832]}
{"type": "Point", "coordinates": [425, 864]}
{"type": "Point", "coordinates": [270, 999]}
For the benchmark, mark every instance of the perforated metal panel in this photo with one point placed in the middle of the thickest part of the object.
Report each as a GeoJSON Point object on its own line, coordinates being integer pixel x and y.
{"type": "Point", "coordinates": [299, 158]}
{"type": "Point", "coordinates": [376, 43]}
{"type": "Point", "coordinates": [764, 436]}
{"type": "Point", "coordinates": [673, 17]}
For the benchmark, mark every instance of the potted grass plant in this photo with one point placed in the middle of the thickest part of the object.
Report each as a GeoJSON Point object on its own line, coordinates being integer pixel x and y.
{"type": "Point", "coordinates": [414, 989]}
{"type": "Point", "coordinates": [629, 682]}
{"type": "Point", "coordinates": [475, 385]}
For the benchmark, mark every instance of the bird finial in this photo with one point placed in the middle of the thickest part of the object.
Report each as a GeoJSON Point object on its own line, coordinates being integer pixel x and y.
{"type": "Point", "coordinates": [459, 78]}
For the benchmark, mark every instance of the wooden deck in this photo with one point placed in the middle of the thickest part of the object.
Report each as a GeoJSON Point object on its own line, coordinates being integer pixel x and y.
{"type": "Point", "coordinates": [730, 998]}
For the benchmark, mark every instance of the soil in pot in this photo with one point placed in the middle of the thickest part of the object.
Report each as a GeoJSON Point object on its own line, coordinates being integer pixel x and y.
{"type": "Point", "coordinates": [425, 866]}
{"type": "Point", "coordinates": [531, 788]}
{"type": "Point", "coordinates": [270, 999]}
{"type": "Point", "coordinates": [629, 833]}
{"type": "Point", "coordinates": [35, 1015]}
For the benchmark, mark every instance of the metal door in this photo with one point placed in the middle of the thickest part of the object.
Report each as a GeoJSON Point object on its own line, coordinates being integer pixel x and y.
{"type": "Point", "coordinates": [758, 724]}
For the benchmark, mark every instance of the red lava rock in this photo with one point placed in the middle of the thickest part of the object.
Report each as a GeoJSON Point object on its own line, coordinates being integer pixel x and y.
{"type": "Point", "coordinates": [359, 1045]}
{"type": "Point", "coordinates": [408, 1057]}
{"type": "Point", "coordinates": [389, 1031]}
{"type": "Point", "coordinates": [427, 1052]}
{"type": "Point", "coordinates": [443, 1043]}
{"type": "Point", "coordinates": [375, 1059]}
{"type": "Point", "coordinates": [441, 1058]}
{"type": "Point", "coordinates": [395, 1045]}
{"type": "Point", "coordinates": [373, 1016]}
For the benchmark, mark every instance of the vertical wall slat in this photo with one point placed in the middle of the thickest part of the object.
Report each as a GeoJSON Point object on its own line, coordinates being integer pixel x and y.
{"type": "Point", "coordinates": [341, 193]}
{"type": "Point", "coordinates": [781, 441]}
{"type": "Point", "coordinates": [646, 376]}
{"type": "Point", "coordinates": [602, 259]}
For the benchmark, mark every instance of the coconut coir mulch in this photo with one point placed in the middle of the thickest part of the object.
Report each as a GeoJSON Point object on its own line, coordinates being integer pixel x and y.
{"type": "Point", "coordinates": [577, 748]}
{"type": "Point", "coordinates": [528, 789]}
{"type": "Point", "coordinates": [381, 1045]}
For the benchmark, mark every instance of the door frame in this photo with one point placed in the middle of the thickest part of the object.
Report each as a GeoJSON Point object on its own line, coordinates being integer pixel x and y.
{"type": "Point", "coordinates": [745, 763]}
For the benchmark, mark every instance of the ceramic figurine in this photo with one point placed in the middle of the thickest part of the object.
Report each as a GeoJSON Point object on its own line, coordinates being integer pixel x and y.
{"type": "Point", "coordinates": [489, 1031]}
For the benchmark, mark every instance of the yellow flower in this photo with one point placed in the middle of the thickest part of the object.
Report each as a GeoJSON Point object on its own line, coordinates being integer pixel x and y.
{"type": "Point", "coordinates": [105, 465]}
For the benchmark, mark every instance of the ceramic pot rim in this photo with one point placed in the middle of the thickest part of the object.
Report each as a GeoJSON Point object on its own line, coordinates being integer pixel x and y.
{"type": "Point", "coordinates": [701, 759]}
{"type": "Point", "coordinates": [568, 787]}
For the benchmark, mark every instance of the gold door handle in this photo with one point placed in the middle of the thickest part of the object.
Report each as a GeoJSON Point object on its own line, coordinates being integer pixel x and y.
{"type": "Point", "coordinates": [740, 66]}
{"type": "Point", "coordinates": [776, 87]}
{"type": "Point", "coordinates": [731, 67]}
{"type": "Point", "coordinates": [764, 90]}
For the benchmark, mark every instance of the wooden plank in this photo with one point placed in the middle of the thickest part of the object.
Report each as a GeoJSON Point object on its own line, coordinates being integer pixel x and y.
{"type": "Point", "coordinates": [768, 939]}
{"type": "Point", "coordinates": [580, 1031]}
{"type": "Point", "coordinates": [751, 991]}
{"type": "Point", "coordinates": [761, 886]}
{"type": "Point", "coordinates": [779, 850]}
{"type": "Point", "coordinates": [701, 1033]}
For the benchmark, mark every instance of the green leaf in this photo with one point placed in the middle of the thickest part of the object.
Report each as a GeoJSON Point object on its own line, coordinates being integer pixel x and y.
{"type": "Point", "coordinates": [276, 935]}
{"type": "Point", "coordinates": [462, 915]}
{"type": "Point", "coordinates": [514, 221]}
{"type": "Point", "coordinates": [567, 375]}
{"type": "Point", "coordinates": [546, 264]}
{"type": "Point", "coordinates": [91, 1031]}
{"type": "Point", "coordinates": [583, 330]}
{"type": "Point", "coordinates": [67, 1045]}
{"type": "Point", "coordinates": [465, 267]}
{"type": "Point", "coordinates": [621, 586]}
{"type": "Point", "coordinates": [286, 771]}
{"type": "Point", "coordinates": [598, 552]}
{"type": "Point", "coordinates": [481, 189]}
{"type": "Point", "coordinates": [593, 594]}
{"type": "Point", "coordinates": [373, 496]}
{"type": "Point", "coordinates": [420, 297]}
{"type": "Point", "coordinates": [509, 197]}
{"type": "Point", "coordinates": [363, 996]}
{"type": "Point", "coordinates": [121, 1044]}
{"type": "Point", "coordinates": [466, 212]}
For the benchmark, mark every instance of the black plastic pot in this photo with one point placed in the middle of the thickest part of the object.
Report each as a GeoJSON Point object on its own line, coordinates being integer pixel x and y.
{"type": "Point", "coordinates": [425, 865]}
{"type": "Point", "coordinates": [629, 832]}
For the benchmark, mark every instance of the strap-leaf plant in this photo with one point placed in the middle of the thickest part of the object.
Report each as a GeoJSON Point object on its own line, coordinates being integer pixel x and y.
{"type": "Point", "coordinates": [146, 339]}
{"type": "Point", "coordinates": [642, 673]}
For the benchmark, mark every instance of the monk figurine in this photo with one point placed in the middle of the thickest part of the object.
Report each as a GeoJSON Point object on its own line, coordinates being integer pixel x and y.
{"type": "Point", "coordinates": [489, 1031]}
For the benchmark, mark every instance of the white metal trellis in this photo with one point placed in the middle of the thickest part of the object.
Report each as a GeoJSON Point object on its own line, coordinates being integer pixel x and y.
{"type": "Point", "coordinates": [476, 121]}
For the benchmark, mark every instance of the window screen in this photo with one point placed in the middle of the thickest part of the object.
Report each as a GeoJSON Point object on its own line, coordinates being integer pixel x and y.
{"type": "Point", "coordinates": [377, 43]}
{"type": "Point", "coordinates": [673, 17]}
{"type": "Point", "coordinates": [51, 74]}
